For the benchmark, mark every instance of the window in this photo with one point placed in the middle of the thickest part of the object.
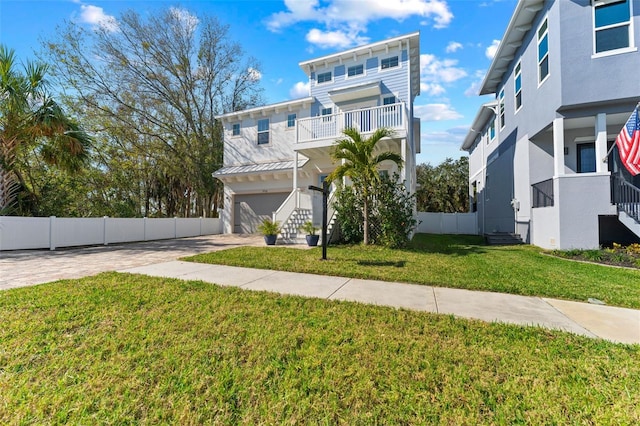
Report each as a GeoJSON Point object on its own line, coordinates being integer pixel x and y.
{"type": "Point", "coordinates": [543, 51]}
{"type": "Point", "coordinates": [355, 70]}
{"type": "Point", "coordinates": [389, 100]}
{"type": "Point", "coordinates": [517, 81]}
{"type": "Point", "coordinates": [291, 120]}
{"type": "Point", "coordinates": [327, 112]}
{"type": "Point", "coordinates": [586, 157]}
{"type": "Point", "coordinates": [501, 109]}
{"type": "Point", "coordinates": [324, 77]}
{"type": "Point", "coordinates": [263, 131]}
{"type": "Point", "coordinates": [612, 24]}
{"type": "Point", "coordinates": [492, 129]}
{"type": "Point", "coordinates": [235, 129]}
{"type": "Point", "coordinates": [389, 62]}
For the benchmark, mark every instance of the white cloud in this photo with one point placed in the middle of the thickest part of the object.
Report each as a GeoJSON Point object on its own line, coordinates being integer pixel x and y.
{"type": "Point", "coordinates": [95, 16]}
{"type": "Point", "coordinates": [491, 50]}
{"type": "Point", "coordinates": [453, 46]}
{"type": "Point", "coordinates": [432, 89]}
{"type": "Point", "coordinates": [474, 89]}
{"type": "Point", "coordinates": [453, 136]}
{"type": "Point", "coordinates": [435, 73]}
{"type": "Point", "coordinates": [189, 22]}
{"type": "Point", "coordinates": [436, 112]}
{"type": "Point", "coordinates": [299, 90]}
{"type": "Point", "coordinates": [329, 39]}
{"type": "Point", "coordinates": [254, 74]}
{"type": "Point", "coordinates": [338, 15]}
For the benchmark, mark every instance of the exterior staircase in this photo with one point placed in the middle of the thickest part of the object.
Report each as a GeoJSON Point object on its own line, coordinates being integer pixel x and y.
{"type": "Point", "coordinates": [626, 197]}
{"type": "Point", "coordinates": [503, 239]}
{"type": "Point", "coordinates": [290, 232]}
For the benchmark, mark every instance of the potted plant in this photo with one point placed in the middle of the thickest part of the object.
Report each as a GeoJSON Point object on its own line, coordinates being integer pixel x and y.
{"type": "Point", "coordinates": [270, 229]}
{"type": "Point", "coordinates": [310, 230]}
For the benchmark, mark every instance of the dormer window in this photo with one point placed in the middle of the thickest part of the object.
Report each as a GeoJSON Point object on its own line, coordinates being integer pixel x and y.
{"type": "Point", "coordinates": [612, 25]}
{"type": "Point", "coordinates": [387, 63]}
{"type": "Point", "coordinates": [324, 77]}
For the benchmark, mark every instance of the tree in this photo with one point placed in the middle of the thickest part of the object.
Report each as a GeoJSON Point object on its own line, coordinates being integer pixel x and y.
{"type": "Point", "coordinates": [153, 86]}
{"type": "Point", "coordinates": [360, 163]}
{"type": "Point", "coordinates": [33, 127]}
{"type": "Point", "coordinates": [443, 188]}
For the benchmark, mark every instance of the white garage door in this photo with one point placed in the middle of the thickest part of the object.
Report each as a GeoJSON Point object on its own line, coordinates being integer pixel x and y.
{"type": "Point", "coordinates": [251, 209]}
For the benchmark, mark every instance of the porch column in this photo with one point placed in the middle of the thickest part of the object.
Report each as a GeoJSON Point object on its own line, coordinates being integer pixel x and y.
{"type": "Point", "coordinates": [295, 177]}
{"type": "Point", "coordinates": [601, 142]}
{"type": "Point", "coordinates": [558, 146]}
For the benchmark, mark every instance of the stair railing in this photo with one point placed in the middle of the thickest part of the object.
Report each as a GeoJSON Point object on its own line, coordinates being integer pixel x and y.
{"type": "Point", "coordinates": [626, 197]}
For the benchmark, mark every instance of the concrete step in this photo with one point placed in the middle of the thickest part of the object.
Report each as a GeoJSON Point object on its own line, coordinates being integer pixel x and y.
{"type": "Point", "coordinates": [502, 239]}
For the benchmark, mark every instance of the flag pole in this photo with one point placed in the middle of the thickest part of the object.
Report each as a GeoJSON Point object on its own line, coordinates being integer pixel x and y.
{"type": "Point", "coordinates": [606, 156]}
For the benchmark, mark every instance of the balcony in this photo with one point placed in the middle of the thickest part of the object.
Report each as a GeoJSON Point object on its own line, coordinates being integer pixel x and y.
{"type": "Point", "coordinates": [325, 129]}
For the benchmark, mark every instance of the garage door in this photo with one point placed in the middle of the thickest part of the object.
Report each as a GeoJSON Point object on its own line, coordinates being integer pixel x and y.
{"type": "Point", "coordinates": [251, 209]}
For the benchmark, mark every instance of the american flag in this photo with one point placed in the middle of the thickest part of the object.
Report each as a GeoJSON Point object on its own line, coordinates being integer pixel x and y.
{"type": "Point", "coordinates": [628, 142]}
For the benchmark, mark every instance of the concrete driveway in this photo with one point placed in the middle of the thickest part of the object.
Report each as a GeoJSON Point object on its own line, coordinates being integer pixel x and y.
{"type": "Point", "coordinates": [28, 267]}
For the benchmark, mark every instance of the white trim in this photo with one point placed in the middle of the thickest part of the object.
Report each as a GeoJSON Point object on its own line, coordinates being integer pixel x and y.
{"type": "Point", "coordinates": [614, 52]}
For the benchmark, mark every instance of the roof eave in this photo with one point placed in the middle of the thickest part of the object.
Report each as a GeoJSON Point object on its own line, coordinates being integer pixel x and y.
{"type": "Point", "coordinates": [519, 25]}
{"type": "Point", "coordinates": [484, 114]}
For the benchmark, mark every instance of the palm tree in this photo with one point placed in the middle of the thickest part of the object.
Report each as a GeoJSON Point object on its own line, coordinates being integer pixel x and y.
{"type": "Point", "coordinates": [360, 164]}
{"type": "Point", "coordinates": [31, 120]}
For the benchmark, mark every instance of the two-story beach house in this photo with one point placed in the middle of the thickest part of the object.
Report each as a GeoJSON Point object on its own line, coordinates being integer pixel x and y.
{"type": "Point", "coordinates": [274, 152]}
{"type": "Point", "coordinates": [566, 77]}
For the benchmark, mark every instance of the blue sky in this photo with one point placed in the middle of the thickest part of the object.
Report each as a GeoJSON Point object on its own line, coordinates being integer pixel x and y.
{"type": "Point", "coordinates": [457, 41]}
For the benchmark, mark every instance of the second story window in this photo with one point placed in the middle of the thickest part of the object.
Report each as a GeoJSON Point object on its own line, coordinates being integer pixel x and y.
{"type": "Point", "coordinates": [235, 130]}
{"type": "Point", "coordinates": [517, 82]}
{"type": "Point", "coordinates": [263, 131]}
{"type": "Point", "coordinates": [543, 51]}
{"type": "Point", "coordinates": [501, 109]}
{"type": "Point", "coordinates": [389, 100]}
{"type": "Point", "coordinates": [291, 120]}
{"type": "Point", "coordinates": [324, 77]}
{"type": "Point", "coordinates": [389, 63]}
{"type": "Point", "coordinates": [612, 24]}
{"type": "Point", "coordinates": [492, 130]}
{"type": "Point", "coordinates": [355, 70]}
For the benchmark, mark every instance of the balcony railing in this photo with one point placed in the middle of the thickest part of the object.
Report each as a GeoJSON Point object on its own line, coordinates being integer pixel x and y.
{"type": "Point", "coordinates": [542, 194]}
{"type": "Point", "coordinates": [364, 120]}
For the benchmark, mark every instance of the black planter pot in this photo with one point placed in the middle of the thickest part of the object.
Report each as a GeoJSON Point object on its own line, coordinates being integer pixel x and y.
{"type": "Point", "coordinates": [270, 239]}
{"type": "Point", "coordinates": [312, 240]}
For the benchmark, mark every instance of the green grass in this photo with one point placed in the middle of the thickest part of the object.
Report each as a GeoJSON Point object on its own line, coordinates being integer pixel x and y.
{"type": "Point", "coordinates": [128, 349]}
{"type": "Point", "coordinates": [451, 261]}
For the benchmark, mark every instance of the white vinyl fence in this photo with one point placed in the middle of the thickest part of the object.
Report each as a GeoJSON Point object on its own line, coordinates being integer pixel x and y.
{"type": "Point", "coordinates": [19, 233]}
{"type": "Point", "coordinates": [447, 223]}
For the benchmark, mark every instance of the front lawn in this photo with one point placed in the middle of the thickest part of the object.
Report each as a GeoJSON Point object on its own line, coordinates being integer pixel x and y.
{"type": "Point", "coordinates": [451, 261]}
{"type": "Point", "coordinates": [130, 349]}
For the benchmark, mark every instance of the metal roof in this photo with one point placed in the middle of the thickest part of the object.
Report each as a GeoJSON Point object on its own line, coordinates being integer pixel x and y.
{"type": "Point", "coordinates": [257, 168]}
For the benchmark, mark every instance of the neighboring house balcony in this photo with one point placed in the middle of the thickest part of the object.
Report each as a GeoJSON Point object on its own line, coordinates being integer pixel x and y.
{"type": "Point", "coordinates": [324, 130]}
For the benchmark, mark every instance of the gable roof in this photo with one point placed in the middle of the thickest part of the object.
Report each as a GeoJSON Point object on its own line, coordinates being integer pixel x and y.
{"type": "Point", "coordinates": [519, 25]}
{"type": "Point", "coordinates": [412, 40]}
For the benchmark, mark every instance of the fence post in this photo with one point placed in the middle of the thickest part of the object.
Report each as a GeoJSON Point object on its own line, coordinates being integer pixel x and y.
{"type": "Point", "coordinates": [52, 242]}
{"type": "Point", "coordinates": [144, 228]}
{"type": "Point", "coordinates": [200, 232]}
{"type": "Point", "coordinates": [175, 227]}
{"type": "Point", "coordinates": [104, 229]}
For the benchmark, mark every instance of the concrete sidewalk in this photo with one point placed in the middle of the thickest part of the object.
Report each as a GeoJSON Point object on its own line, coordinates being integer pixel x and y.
{"type": "Point", "coordinates": [606, 322]}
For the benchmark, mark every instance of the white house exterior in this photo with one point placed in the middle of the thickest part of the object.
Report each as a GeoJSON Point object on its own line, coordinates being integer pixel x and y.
{"type": "Point", "coordinates": [565, 80]}
{"type": "Point", "coordinates": [274, 152]}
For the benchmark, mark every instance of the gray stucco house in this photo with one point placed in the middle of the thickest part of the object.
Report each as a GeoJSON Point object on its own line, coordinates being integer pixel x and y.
{"type": "Point", "coordinates": [273, 153]}
{"type": "Point", "coordinates": [566, 78]}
